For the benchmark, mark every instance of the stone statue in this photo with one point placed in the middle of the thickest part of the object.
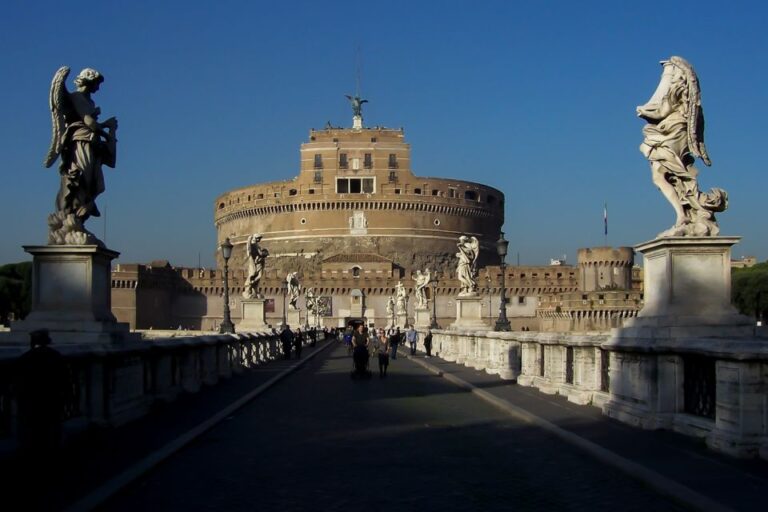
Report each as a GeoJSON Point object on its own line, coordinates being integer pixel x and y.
{"type": "Point", "coordinates": [357, 105]}
{"type": "Point", "coordinates": [292, 279]}
{"type": "Point", "coordinates": [673, 139]}
{"type": "Point", "coordinates": [310, 300]}
{"type": "Point", "coordinates": [401, 298]}
{"type": "Point", "coordinates": [256, 257]}
{"type": "Point", "coordinates": [422, 281]}
{"type": "Point", "coordinates": [84, 145]}
{"type": "Point", "coordinates": [466, 271]}
{"type": "Point", "coordinates": [390, 306]}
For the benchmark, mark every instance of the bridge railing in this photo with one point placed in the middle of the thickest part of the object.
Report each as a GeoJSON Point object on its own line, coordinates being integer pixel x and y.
{"type": "Point", "coordinates": [110, 385]}
{"type": "Point", "coordinates": [715, 389]}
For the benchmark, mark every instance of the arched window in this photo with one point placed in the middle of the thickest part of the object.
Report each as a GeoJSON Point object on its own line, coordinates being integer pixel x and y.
{"type": "Point", "coordinates": [356, 271]}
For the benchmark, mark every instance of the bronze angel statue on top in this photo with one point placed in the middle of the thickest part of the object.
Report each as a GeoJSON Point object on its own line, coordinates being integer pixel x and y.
{"type": "Point", "coordinates": [673, 139]}
{"type": "Point", "coordinates": [83, 145]}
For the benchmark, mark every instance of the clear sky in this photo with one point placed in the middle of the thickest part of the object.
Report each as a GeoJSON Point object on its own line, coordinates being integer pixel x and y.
{"type": "Point", "coordinates": [537, 99]}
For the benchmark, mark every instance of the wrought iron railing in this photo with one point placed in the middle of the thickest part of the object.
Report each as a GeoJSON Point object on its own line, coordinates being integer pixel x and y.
{"type": "Point", "coordinates": [699, 386]}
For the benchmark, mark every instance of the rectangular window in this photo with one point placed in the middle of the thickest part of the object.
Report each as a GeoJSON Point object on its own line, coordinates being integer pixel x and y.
{"type": "Point", "coordinates": [343, 161]}
{"type": "Point", "coordinates": [318, 161]}
{"type": "Point", "coordinates": [392, 161]}
{"type": "Point", "coordinates": [368, 185]}
{"type": "Point", "coordinates": [521, 300]}
{"type": "Point", "coordinates": [368, 161]}
{"type": "Point", "coordinates": [354, 186]}
{"type": "Point", "coordinates": [451, 192]}
{"type": "Point", "coordinates": [392, 177]}
{"type": "Point", "coordinates": [342, 186]}
{"type": "Point", "coordinates": [318, 176]}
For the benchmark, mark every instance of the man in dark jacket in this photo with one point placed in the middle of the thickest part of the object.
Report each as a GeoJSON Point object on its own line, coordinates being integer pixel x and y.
{"type": "Point", "coordinates": [394, 341]}
{"type": "Point", "coordinates": [286, 338]}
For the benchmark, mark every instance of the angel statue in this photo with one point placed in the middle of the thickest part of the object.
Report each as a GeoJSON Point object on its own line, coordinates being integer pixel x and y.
{"type": "Point", "coordinates": [401, 298]}
{"type": "Point", "coordinates": [390, 306]}
{"type": "Point", "coordinates": [673, 139]}
{"type": "Point", "coordinates": [256, 257]}
{"type": "Point", "coordinates": [357, 105]}
{"type": "Point", "coordinates": [84, 145]}
{"type": "Point", "coordinates": [310, 299]}
{"type": "Point", "coordinates": [422, 281]}
{"type": "Point", "coordinates": [466, 270]}
{"type": "Point", "coordinates": [292, 280]}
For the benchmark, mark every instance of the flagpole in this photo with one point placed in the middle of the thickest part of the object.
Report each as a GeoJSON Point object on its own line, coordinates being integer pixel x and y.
{"type": "Point", "coordinates": [605, 222]}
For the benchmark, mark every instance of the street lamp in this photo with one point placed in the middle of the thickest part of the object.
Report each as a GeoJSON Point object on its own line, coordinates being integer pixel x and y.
{"type": "Point", "coordinates": [433, 320]}
{"type": "Point", "coordinates": [502, 324]}
{"type": "Point", "coordinates": [285, 292]}
{"type": "Point", "coordinates": [226, 327]}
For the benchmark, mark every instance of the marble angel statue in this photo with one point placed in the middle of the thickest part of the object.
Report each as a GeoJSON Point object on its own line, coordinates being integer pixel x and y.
{"type": "Point", "coordinates": [256, 257]}
{"type": "Point", "coordinates": [672, 141]}
{"type": "Point", "coordinates": [401, 299]}
{"type": "Point", "coordinates": [82, 145]}
{"type": "Point", "coordinates": [422, 281]}
{"type": "Point", "coordinates": [310, 300]}
{"type": "Point", "coordinates": [466, 270]}
{"type": "Point", "coordinates": [292, 280]}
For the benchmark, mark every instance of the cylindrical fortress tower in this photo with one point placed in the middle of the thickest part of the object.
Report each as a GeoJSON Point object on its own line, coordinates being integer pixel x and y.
{"type": "Point", "coordinates": [605, 268]}
{"type": "Point", "coordinates": [355, 193]}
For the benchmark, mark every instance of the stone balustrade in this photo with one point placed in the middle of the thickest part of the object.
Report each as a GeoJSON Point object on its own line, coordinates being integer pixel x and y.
{"type": "Point", "coordinates": [112, 384]}
{"type": "Point", "coordinates": [716, 389]}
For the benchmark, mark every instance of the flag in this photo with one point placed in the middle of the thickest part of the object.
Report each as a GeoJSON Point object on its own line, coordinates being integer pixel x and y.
{"type": "Point", "coordinates": [605, 218]}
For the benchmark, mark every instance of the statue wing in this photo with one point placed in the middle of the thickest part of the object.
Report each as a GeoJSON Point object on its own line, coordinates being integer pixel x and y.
{"type": "Point", "coordinates": [695, 113]}
{"type": "Point", "coordinates": [58, 101]}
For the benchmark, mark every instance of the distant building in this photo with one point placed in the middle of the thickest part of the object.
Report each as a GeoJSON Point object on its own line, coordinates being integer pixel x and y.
{"type": "Point", "coordinates": [744, 262]}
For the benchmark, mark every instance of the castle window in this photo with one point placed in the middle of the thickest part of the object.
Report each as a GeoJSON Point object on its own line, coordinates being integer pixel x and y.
{"type": "Point", "coordinates": [417, 191]}
{"type": "Point", "coordinates": [392, 177]}
{"type": "Point", "coordinates": [368, 161]}
{"type": "Point", "coordinates": [437, 222]}
{"type": "Point", "coordinates": [392, 164]}
{"type": "Point", "coordinates": [318, 177]}
{"type": "Point", "coordinates": [521, 300]}
{"type": "Point", "coordinates": [221, 206]}
{"type": "Point", "coordinates": [368, 186]}
{"type": "Point", "coordinates": [355, 271]}
{"type": "Point", "coordinates": [318, 161]}
{"type": "Point", "coordinates": [342, 186]}
{"type": "Point", "coordinates": [435, 192]}
{"type": "Point", "coordinates": [335, 139]}
{"type": "Point", "coordinates": [373, 139]}
{"type": "Point", "coordinates": [311, 191]}
{"type": "Point", "coordinates": [303, 220]}
{"type": "Point", "coordinates": [452, 192]}
{"type": "Point", "coordinates": [470, 195]}
{"type": "Point", "coordinates": [260, 196]}
{"type": "Point", "coordinates": [397, 191]}
{"type": "Point", "coordinates": [292, 192]}
{"type": "Point", "coordinates": [343, 161]}
{"type": "Point", "coordinates": [355, 185]}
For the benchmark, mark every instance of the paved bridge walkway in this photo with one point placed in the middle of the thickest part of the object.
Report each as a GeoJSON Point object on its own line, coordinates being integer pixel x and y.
{"type": "Point", "coordinates": [317, 440]}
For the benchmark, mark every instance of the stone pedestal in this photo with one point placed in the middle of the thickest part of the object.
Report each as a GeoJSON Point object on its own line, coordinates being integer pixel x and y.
{"type": "Point", "coordinates": [253, 316]}
{"type": "Point", "coordinates": [401, 320]}
{"type": "Point", "coordinates": [687, 312]}
{"type": "Point", "coordinates": [71, 296]}
{"type": "Point", "coordinates": [423, 318]}
{"type": "Point", "coordinates": [293, 317]}
{"type": "Point", "coordinates": [469, 313]}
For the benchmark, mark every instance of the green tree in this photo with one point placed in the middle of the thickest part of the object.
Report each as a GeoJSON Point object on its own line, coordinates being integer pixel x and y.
{"type": "Point", "coordinates": [749, 290]}
{"type": "Point", "coordinates": [15, 290]}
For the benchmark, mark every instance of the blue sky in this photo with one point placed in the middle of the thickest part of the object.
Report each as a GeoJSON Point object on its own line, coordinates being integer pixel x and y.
{"type": "Point", "coordinates": [536, 99]}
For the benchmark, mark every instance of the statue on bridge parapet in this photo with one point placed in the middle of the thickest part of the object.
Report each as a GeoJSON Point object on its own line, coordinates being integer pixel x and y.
{"type": "Point", "coordinates": [673, 139]}
{"type": "Point", "coordinates": [292, 280]}
{"type": "Point", "coordinates": [466, 270]}
{"type": "Point", "coordinates": [84, 145]}
{"type": "Point", "coordinates": [256, 258]}
{"type": "Point", "coordinates": [401, 299]}
{"type": "Point", "coordinates": [422, 281]}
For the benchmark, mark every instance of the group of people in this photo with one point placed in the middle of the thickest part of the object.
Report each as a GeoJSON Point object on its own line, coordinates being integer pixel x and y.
{"type": "Point", "coordinates": [295, 339]}
{"type": "Point", "coordinates": [363, 343]}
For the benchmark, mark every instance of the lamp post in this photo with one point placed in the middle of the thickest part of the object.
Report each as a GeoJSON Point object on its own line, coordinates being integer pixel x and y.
{"type": "Point", "coordinates": [226, 327]}
{"type": "Point", "coordinates": [433, 320]}
{"type": "Point", "coordinates": [502, 324]}
{"type": "Point", "coordinates": [285, 292]}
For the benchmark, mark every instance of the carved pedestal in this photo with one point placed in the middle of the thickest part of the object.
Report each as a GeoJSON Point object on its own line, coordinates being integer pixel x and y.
{"type": "Point", "coordinates": [71, 296]}
{"type": "Point", "coordinates": [423, 318]}
{"type": "Point", "coordinates": [687, 314]}
{"type": "Point", "coordinates": [469, 313]}
{"type": "Point", "coordinates": [293, 317]}
{"type": "Point", "coordinates": [253, 316]}
{"type": "Point", "coordinates": [401, 320]}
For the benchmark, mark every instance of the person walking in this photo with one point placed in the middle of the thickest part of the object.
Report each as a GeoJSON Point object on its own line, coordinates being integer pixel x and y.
{"type": "Point", "coordinates": [383, 353]}
{"type": "Point", "coordinates": [428, 343]}
{"type": "Point", "coordinates": [394, 341]}
{"type": "Point", "coordinates": [286, 337]}
{"type": "Point", "coordinates": [298, 342]}
{"type": "Point", "coordinates": [42, 383]}
{"type": "Point", "coordinates": [412, 337]}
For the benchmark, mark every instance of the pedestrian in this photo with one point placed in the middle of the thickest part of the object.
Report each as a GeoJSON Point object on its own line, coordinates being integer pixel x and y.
{"type": "Point", "coordinates": [412, 337]}
{"type": "Point", "coordinates": [286, 337]}
{"type": "Point", "coordinates": [383, 353]}
{"type": "Point", "coordinates": [313, 337]}
{"type": "Point", "coordinates": [360, 347]}
{"type": "Point", "coordinates": [428, 343]}
{"type": "Point", "coordinates": [42, 384]}
{"type": "Point", "coordinates": [373, 342]}
{"type": "Point", "coordinates": [298, 342]}
{"type": "Point", "coordinates": [348, 340]}
{"type": "Point", "coordinates": [394, 341]}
